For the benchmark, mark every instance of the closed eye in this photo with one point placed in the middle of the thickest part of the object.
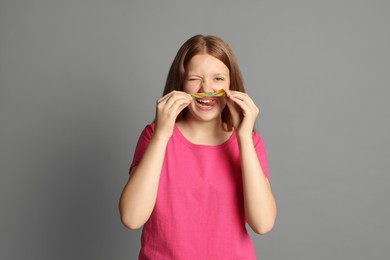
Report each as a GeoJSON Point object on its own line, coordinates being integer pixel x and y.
{"type": "Point", "coordinates": [193, 78]}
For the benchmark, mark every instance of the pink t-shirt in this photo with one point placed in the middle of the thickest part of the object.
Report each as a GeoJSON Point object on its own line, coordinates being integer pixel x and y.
{"type": "Point", "coordinates": [199, 211]}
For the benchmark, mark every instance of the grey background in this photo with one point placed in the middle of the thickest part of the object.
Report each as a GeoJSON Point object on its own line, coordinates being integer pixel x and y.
{"type": "Point", "coordinates": [79, 80]}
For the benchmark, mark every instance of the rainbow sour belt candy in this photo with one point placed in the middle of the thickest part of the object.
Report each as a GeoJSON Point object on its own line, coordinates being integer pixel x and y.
{"type": "Point", "coordinates": [218, 93]}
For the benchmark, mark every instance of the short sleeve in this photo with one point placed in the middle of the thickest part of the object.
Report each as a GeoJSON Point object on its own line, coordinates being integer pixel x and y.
{"type": "Point", "coordinates": [261, 154]}
{"type": "Point", "coordinates": [142, 144]}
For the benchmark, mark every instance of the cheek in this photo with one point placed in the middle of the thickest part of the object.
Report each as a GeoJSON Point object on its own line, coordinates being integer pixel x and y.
{"type": "Point", "coordinates": [226, 85]}
{"type": "Point", "coordinates": [190, 88]}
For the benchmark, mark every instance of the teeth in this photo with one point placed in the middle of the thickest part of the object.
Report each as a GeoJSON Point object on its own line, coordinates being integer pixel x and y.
{"type": "Point", "coordinates": [204, 101]}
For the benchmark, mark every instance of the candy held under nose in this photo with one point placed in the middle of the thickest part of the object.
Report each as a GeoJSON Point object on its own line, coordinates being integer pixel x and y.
{"type": "Point", "coordinates": [218, 93]}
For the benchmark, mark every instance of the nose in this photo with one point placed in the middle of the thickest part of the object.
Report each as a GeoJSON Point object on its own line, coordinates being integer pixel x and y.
{"type": "Point", "coordinates": [206, 86]}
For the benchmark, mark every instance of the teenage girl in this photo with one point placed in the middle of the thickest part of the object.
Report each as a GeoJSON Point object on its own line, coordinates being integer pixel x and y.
{"type": "Point", "coordinates": [199, 172]}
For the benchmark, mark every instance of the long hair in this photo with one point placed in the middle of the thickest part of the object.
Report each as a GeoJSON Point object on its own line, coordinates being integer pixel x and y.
{"type": "Point", "coordinates": [215, 47]}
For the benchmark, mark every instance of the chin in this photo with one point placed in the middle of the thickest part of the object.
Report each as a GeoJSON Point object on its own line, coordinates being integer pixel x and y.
{"type": "Point", "coordinates": [205, 116]}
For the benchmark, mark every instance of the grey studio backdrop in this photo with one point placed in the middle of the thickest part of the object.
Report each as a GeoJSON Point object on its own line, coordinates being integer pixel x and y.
{"type": "Point", "coordinates": [79, 80]}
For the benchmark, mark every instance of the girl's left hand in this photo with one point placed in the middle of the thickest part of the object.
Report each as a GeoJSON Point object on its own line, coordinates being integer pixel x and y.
{"type": "Point", "coordinates": [243, 110]}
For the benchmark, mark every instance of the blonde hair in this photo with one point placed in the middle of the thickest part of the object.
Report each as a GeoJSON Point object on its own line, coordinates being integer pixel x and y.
{"type": "Point", "coordinates": [215, 47]}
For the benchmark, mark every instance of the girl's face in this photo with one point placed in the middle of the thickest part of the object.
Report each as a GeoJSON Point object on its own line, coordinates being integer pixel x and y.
{"type": "Point", "coordinates": [205, 73]}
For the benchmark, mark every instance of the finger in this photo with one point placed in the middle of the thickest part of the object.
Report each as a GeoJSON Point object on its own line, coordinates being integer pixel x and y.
{"type": "Point", "coordinates": [180, 108]}
{"type": "Point", "coordinates": [171, 94]}
{"type": "Point", "coordinates": [168, 100]}
{"type": "Point", "coordinates": [167, 115]}
{"type": "Point", "coordinates": [242, 96]}
{"type": "Point", "coordinates": [177, 100]}
{"type": "Point", "coordinates": [245, 99]}
{"type": "Point", "coordinates": [179, 105]}
{"type": "Point", "coordinates": [164, 98]}
{"type": "Point", "coordinates": [241, 104]}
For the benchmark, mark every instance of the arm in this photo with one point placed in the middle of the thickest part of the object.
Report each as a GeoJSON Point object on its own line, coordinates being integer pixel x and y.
{"type": "Point", "coordinates": [259, 202]}
{"type": "Point", "coordinates": [139, 194]}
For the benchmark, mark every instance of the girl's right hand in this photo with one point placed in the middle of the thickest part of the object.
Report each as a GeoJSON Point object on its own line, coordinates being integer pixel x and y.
{"type": "Point", "coordinates": [167, 110]}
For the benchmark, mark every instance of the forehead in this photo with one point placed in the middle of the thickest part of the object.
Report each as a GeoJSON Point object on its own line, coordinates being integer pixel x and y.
{"type": "Point", "coordinates": [206, 62]}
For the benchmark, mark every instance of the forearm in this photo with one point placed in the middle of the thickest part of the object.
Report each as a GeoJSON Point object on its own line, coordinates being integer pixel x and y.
{"type": "Point", "coordinates": [259, 202]}
{"type": "Point", "coordinates": [139, 195]}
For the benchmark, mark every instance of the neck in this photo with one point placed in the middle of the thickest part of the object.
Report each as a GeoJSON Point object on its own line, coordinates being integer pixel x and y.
{"type": "Point", "coordinates": [203, 127]}
{"type": "Point", "coordinates": [204, 132]}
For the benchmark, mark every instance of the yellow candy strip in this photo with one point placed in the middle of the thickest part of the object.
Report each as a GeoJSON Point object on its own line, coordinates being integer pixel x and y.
{"type": "Point", "coordinates": [218, 93]}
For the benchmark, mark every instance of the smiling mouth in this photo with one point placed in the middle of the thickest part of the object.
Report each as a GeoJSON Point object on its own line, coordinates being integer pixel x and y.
{"type": "Point", "coordinates": [206, 102]}
{"type": "Point", "coordinates": [203, 101]}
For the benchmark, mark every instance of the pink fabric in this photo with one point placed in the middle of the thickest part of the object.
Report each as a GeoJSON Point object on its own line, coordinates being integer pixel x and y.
{"type": "Point", "coordinates": [199, 210]}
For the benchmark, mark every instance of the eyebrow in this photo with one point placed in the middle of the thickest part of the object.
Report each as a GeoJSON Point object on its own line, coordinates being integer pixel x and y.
{"type": "Point", "coordinates": [215, 74]}
{"type": "Point", "coordinates": [220, 74]}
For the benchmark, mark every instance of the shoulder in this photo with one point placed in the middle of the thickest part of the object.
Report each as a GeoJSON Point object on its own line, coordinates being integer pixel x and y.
{"type": "Point", "coordinates": [146, 133]}
{"type": "Point", "coordinates": [257, 138]}
{"type": "Point", "coordinates": [148, 129]}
